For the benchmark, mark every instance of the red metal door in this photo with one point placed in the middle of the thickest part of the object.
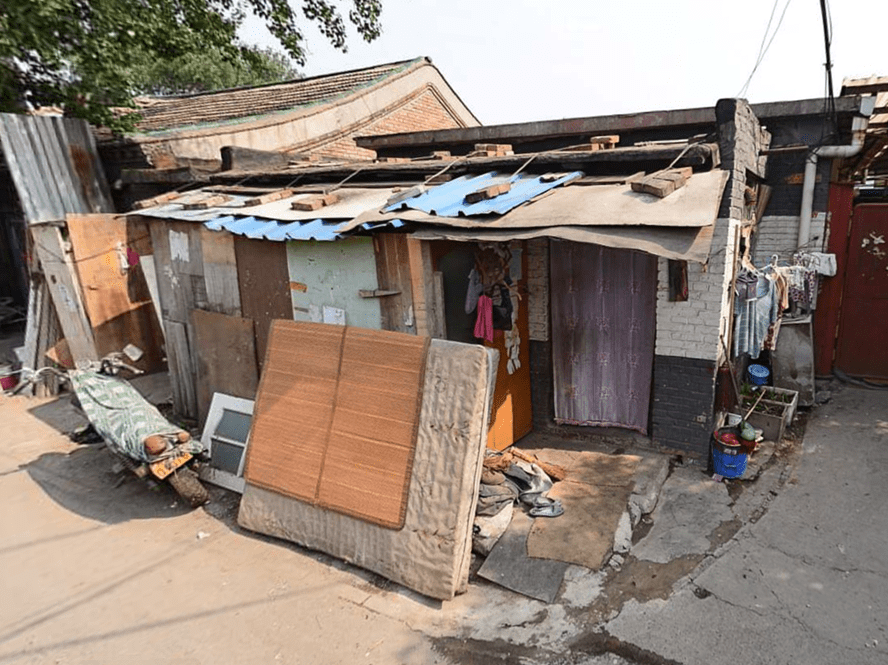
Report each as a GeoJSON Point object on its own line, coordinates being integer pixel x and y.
{"type": "Point", "coordinates": [862, 349]}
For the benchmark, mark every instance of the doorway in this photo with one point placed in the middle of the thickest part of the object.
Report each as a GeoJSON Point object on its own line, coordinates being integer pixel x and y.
{"type": "Point", "coordinates": [505, 267]}
{"type": "Point", "coordinates": [603, 332]}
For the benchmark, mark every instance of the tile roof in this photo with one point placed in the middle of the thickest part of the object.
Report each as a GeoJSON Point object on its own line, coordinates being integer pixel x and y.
{"type": "Point", "coordinates": [221, 107]}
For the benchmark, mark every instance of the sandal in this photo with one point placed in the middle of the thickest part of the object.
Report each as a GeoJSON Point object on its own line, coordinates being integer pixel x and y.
{"type": "Point", "coordinates": [553, 509]}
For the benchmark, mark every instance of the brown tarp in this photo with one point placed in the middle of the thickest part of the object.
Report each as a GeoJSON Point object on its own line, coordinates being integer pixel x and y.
{"type": "Point", "coordinates": [336, 418]}
{"type": "Point", "coordinates": [684, 244]}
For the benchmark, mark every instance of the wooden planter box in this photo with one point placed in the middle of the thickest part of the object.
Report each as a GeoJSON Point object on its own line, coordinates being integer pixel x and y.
{"type": "Point", "coordinates": [780, 414]}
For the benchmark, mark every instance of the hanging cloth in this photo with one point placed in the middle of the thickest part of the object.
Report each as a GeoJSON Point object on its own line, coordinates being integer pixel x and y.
{"type": "Point", "coordinates": [484, 322]}
{"type": "Point", "coordinates": [474, 291]}
{"type": "Point", "coordinates": [502, 312]}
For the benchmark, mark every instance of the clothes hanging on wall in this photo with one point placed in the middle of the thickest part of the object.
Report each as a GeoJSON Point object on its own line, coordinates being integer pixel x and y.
{"type": "Point", "coordinates": [484, 322]}
{"type": "Point", "coordinates": [475, 289]}
{"type": "Point", "coordinates": [502, 310]}
{"type": "Point", "coordinates": [819, 262]}
{"type": "Point", "coordinates": [753, 317]}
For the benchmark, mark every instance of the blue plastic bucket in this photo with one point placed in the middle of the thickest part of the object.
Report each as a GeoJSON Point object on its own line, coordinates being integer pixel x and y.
{"type": "Point", "coordinates": [728, 466]}
{"type": "Point", "coordinates": [728, 461]}
{"type": "Point", "coordinates": [758, 374]}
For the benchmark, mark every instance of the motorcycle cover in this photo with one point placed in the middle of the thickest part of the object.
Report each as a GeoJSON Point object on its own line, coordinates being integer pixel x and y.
{"type": "Point", "coordinates": [120, 414]}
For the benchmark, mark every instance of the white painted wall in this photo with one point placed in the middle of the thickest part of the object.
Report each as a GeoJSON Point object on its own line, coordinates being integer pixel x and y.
{"type": "Point", "coordinates": [780, 235]}
{"type": "Point", "coordinates": [691, 329]}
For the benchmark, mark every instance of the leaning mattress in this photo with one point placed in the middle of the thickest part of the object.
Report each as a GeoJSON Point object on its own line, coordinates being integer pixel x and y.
{"type": "Point", "coordinates": [432, 551]}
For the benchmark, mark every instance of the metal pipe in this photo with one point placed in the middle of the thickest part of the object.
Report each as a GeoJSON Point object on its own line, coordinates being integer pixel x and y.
{"type": "Point", "coordinates": [858, 134]}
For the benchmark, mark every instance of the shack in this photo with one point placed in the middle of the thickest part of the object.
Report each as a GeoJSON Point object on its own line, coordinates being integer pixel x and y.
{"type": "Point", "coordinates": [579, 252]}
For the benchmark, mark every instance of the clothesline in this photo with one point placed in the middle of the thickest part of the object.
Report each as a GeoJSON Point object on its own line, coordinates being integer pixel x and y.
{"type": "Point", "coordinates": [763, 294]}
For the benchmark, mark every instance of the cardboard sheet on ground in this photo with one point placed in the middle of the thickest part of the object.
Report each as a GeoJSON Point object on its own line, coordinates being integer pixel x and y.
{"type": "Point", "coordinates": [336, 418]}
{"type": "Point", "coordinates": [432, 552]}
{"type": "Point", "coordinates": [595, 493]}
{"type": "Point", "coordinates": [510, 566]}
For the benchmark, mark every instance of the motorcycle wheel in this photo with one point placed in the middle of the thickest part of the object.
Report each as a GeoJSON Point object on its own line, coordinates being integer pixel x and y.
{"type": "Point", "coordinates": [188, 486]}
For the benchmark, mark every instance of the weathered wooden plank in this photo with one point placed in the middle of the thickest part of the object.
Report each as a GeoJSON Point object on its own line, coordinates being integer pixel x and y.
{"type": "Point", "coordinates": [220, 272]}
{"type": "Point", "coordinates": [418, 284]}
{"type": "Point", "coordinates": [168, 284]}
{"type": "Point", "coordinates": [150, 271]}
{"type": "Point", "coordinates": [181, 369]}
{"type": "Point", "coordinates": [115, 293]}
{"type": "Point", "coordinates": [440, 322]}
{"type": "Point", "coordinates": [393, 273]}
{"type": "Point", "coordinates": [425, 306]}
{"type": "Point", "coordinates": [264, 282]}
{"type": "Point", "coordinates": [225, 352]}
{"type": "Point", "coordinates": [64, 287]}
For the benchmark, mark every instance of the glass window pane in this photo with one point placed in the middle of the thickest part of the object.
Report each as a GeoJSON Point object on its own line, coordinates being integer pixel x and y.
{"type": "Point", "coordinates": [234, 425]}
{"type": "Point", "coordinates": [226, 456]}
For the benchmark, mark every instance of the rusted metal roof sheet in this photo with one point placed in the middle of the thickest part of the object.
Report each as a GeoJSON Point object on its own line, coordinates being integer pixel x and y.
{"type": "Point", "coordinates": [54, 165]}
{"type": "Point", "coordinates": [449, 199]}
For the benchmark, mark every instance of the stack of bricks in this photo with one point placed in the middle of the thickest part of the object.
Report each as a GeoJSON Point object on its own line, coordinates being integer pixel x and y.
{"type": "Point", "coordinates": [492, 150]}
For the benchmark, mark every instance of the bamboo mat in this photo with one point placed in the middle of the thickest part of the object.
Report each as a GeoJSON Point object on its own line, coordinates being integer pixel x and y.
{"type": "Point", "coordinates": [336, 418]}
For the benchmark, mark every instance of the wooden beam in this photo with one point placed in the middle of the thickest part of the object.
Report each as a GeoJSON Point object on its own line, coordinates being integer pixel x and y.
{"type": "Point", "coordinates": [64, 287]}
{"type": "Point", "coordinates": [377, 293]}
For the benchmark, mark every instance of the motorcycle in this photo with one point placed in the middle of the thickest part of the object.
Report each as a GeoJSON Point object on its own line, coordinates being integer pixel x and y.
{"type": "Point", "coordinates": [135, 432]}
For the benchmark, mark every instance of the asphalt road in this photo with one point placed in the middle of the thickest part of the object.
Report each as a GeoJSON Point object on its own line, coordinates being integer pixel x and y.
{"type": "Point", "coordinates": [100, 569]}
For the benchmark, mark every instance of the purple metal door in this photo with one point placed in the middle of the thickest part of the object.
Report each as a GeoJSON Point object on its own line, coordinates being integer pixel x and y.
{"type": "Point", "coordinates": [862, 349]}
{"type": "Point", "coordinates": [603, 328]}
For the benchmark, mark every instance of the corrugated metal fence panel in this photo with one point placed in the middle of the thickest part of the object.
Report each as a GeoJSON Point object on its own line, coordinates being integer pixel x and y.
{"type": "Point", "coordinates": [54, 165]}
{"type": "Point", "coordinates": [448, 200]}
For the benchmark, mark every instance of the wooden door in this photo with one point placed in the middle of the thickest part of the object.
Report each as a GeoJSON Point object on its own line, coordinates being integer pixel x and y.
{"type": "Point", "coordinates": [603, 331]}
{"type": "Point", "coordinates": [511, 416]}
{"type": "Point", "coordinates": [264, 281]}
{"type": "Point", "coordinates": [862, 348]}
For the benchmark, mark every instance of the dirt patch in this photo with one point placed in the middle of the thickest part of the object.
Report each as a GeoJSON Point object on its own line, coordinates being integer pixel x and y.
{"type": "Point", "coordinates": [471, 652]}
{"type": "Point", "coordinates": [600, 643]}
{"type": "Point", "coordinates": [724, 532]}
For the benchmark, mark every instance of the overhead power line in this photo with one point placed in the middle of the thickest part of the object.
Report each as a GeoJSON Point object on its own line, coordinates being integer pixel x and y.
{"type": "Point", "coordinates": [766, 43]}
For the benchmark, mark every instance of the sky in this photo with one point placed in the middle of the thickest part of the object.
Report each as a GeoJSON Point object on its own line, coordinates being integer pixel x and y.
{"type": "Point", "coordinates": [520, 60]}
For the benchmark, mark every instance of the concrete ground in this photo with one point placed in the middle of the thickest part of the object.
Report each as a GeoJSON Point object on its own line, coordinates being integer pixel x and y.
{"type": "Point", "coordinates": [99, 568]}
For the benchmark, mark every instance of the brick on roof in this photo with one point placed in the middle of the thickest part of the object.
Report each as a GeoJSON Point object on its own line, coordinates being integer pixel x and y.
{"type": "Point", "coordinates": [163, 113]}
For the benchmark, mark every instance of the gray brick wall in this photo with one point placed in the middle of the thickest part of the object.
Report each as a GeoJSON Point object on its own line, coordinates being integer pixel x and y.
{"type": "Point", "coordinates": [780, 235]}
{"type": "Point", "coordinates": [681, 412]}
{"type": "Point", "coordinates": [538, 288]}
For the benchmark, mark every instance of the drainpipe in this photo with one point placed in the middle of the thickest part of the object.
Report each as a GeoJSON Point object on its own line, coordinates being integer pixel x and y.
{"type": "Point", "coordinates": [858, 133]}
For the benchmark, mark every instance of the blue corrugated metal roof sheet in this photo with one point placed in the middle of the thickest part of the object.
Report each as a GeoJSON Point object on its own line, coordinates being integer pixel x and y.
{"type": "Point", "coordinates": [282, 230]}
{"type": "Point", "coordinates": [448, 199]}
